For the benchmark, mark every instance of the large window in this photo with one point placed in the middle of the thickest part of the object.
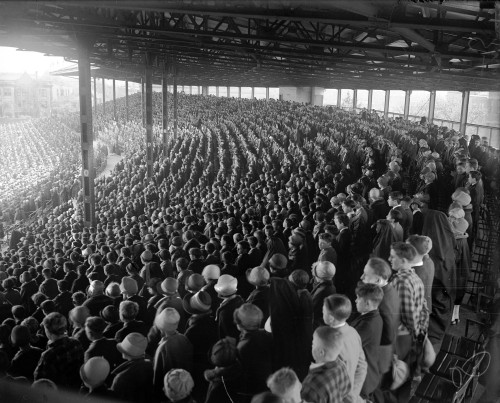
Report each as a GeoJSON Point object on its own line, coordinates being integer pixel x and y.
{"type": "Point", "coordinates": [347, 98]}
{"type": "Point", "coordinates": [448, 109]}
{"type": "Point", "coordinates": [212, 90]}
{"type": "Point", "coordinates": [246, 92]}
{"type": "Point", "coordinates": [233, 92]}
{"type": "Point", "coordinates": [260, 93]}
{"type": "Point", "coordinates": [397, 102]}
{"type": "Point", "coordinates": [362, 101]}
{"type": "Point", "coordinates": [274, 93]}
{"type": "Point", "coordinates": [378, 100]}
{"type": "Point", "coordinates": [330, 96]}
{"type": "Point", "coordinates": [419, 104]}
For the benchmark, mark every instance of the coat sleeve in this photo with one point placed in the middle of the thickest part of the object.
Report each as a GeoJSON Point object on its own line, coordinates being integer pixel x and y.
{"type": "Point", "coordinates": [360, 373]}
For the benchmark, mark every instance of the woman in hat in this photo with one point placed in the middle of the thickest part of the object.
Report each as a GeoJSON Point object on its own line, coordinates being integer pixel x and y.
{"type": "Point", "coordinates": [202, 332]}
{"type": "Point", "coordinates": [133, 380]}
{"type": "Point", "coordinates": [259, 277]}
{"type": "Point", "coordinates": [226, 288]}
{"type": "Point", "coordinates": [463, 261]}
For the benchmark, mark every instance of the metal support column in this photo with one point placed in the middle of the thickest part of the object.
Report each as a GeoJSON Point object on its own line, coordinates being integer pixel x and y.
{"type": "Point", "coordinates": [386, 103]}
{"type": "Point", "coordinates": [114, 99]}
{"type": "Point", "coordinates": [267, 93]}
{"type": "Point", "coordinates": [339, 97]}
{"type": "Point", "coordinates": [164, 98]}
{"type": "Point", "coordinates": [216, 90]}
{"type": "Point", "coordinates": [354, 99]}
{"type": "Point", "coordinates": [465, 111]}
{"type": "Point", "coordinates": [228, 91]}
{"type": "Point", "coordinates": [432, 107]}
{"type": "Point", "coordinates": [87, 137]}
{"type": "Point", "coordinates": [143, 103]}
{"type": "Point", "coordinates": [252, 96]}
{"type": "Point", "coordinates": [204, 90]}
{"type": "Point", "coordinates": [370, 99]}
{"type": "Point", "coordinates": [126, 99]}
{"type": "Point", "coordinates": [103, 96]}
{"type": "Point", "coordinates": [239, 92]}
{"type": "Point", "coordinates": [407, 104]}
{"type": "Point", "coordinates": [175, 100]}
{"type": "Point", "coordinates": [149, 115]}
{"type": "Point", "coordinates": [95, 95]}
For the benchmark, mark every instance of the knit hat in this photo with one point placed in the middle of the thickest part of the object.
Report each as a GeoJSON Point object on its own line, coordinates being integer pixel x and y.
{"type": "Point", "coordinates": [324, 270]}
{"type": "Point", "coordinates": [224, 352]}
{"type": "Point", "coordinates": [459, 225]}
{"type": "Point", "coordinates": [128, 286]}
{"type": "Point", "coordinates": [178, 384]}
{"type": "Point", "coordinates": [258, 276]}
{"type": "Point", "coordinates": [278, 261]}
{"type": "Point", "coordinates": [456, 213]}
{"type": "Point", "coordinates": [169, 286]}
{"type": "Point", "coordinates": [211, 272]}
{"type": "Point", "coordinates": [226, 285]}
{"type": "Point", "coordinates": [133, 345]}
{"type": "Point", "coordinates": [195, 282]}
{"type": "Point", "coordinates": [461, 197]}
{"type": "Point", "coordinates": [168, 319]}
{"type": "Point", "coordinates": [95, 371]}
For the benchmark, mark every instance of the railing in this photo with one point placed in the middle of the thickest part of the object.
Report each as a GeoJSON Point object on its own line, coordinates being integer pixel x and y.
{"type": "Point", "coordinates": [492, 133]}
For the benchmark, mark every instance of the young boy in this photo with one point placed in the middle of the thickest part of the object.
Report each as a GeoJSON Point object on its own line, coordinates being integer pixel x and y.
{"type": "Point", "coordinates": [369, 325]}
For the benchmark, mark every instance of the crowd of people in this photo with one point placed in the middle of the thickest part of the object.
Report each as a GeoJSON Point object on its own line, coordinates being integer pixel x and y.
{"type": "Point", "coordinates": [271, 235]}
{"type": "Point", "coordinates": [40, 166]}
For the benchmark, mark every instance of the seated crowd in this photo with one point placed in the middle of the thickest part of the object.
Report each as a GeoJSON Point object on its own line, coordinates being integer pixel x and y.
{"type": "Point", "coordinates": [271, 235]}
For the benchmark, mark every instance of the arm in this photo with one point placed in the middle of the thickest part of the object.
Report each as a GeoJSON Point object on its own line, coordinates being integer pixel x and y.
{"type": "Point", "coordinates": [360, 373]}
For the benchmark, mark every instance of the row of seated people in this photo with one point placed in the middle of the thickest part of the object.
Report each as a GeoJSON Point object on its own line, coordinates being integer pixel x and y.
{"type": "Point", "coordinates": [245, 200]}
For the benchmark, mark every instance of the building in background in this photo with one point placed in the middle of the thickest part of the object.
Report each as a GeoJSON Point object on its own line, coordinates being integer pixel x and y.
{"type": "Point", "coordinates": [24, 95]}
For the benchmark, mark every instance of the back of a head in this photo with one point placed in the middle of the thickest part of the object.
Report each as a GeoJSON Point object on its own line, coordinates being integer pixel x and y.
{"type": "Point", "coordinates": [329, 339]}
{"type": "Point", "coordinates": [404, 251]}
{"type": "Point", "coordinates": [282, 382]}
{"type": "Point", "coordinates": [380, 267]}
{"type": "Point", "coordinates": [338, 306]}
{"type": "Point", "coordinates": [267, 397]}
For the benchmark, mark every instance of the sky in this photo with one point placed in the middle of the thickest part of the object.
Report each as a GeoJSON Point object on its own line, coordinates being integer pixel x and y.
{"type": "Point", "coordinates": [13, 61]}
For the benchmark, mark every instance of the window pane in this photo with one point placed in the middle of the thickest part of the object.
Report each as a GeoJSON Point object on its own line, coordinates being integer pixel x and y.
{"type": "Point", "coordinates": [246, 92]}
{"type": "Point", "coordinates": [347, 97]}
{"type": "Point", "coordinates": [260, 93]}
{"type": "Point", "coordinates": [419, 104]}
{"type": "Point", "coordinates": [233, 92]}
{"type": "Point", "coordinates": [378, 100]}
{"type": "Point", "coordinates": [362, 99]}
{"type": "Point", "coordinates": [397, 102]}
{"type": "Point", "coordinates": [212, 91]}
{"type": "Point", "coordinates": [330, 97]}
{"type": "Point", "coordinates": [274, 93]}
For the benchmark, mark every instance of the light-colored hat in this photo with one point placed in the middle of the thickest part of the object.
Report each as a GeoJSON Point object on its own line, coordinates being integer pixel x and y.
{"type": "Point", "coordinates": [258, 276]}
{"type": "Point", "coordinates": [133, 345]}
{"type": "Point", "coordinates": [226, 285]}
{"type": "Point", "coordinates": [248, 316]}
{"type": "Point", "coordinates": [169, 286]}
{"type": "Point", "coordinates": [147, 255]}
{"type": "Point", "coordinates": [129, 286]}
{"type": "Point", "coordinates": [168, 319]}
{"type": "Point", "coordinates": [324, 270]}
{"type": "Point", "coordinates": [178, 384]}
{"type": "Point", "coordinates": [95, 371]}
{"type": "Point", "coordinates": [96, 286]}
{"type": "Point", "coordinates": [461, 198]}
{"type": "Point", "coordinates": [211, 272]}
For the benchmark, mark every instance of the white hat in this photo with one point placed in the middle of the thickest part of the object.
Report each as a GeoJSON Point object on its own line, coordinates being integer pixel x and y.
{"type": "Point", "coordinates": [226, 285]}
{"type": "Point", "coordinates": [324, 270]}
{"type": "Point", "coordinates": [211, 272]}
